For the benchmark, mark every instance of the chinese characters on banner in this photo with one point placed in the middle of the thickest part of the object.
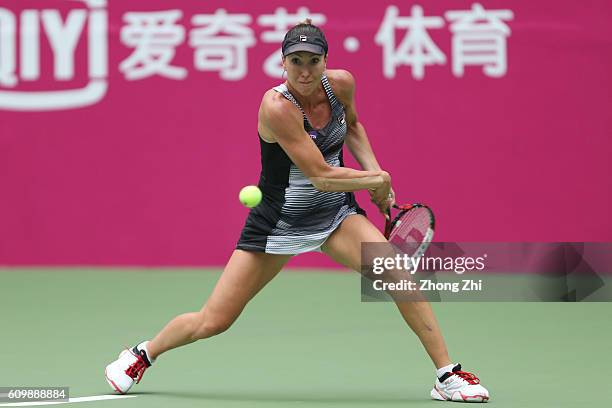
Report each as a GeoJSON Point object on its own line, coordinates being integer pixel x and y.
{"type": "Point", "coordinates": [479, 38]}
{"type": "Point", "coordinates": [221, 41]}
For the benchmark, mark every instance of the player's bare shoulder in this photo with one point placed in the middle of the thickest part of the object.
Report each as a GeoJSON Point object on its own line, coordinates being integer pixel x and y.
{"type": "Point", "coordinates": [275, 113]}
{"type": "Point", "coordinates": [342, 83]}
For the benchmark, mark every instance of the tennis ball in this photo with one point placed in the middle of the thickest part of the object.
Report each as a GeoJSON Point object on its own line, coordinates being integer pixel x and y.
{"type": "Point", "coordinates": [250, 196]}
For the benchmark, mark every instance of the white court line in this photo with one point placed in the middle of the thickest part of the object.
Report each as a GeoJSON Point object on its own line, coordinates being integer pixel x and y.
{"type": "Point", "coordinates": [70, 400]}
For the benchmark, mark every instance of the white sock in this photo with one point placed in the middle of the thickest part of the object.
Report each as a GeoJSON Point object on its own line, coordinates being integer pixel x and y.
{"type": "Point", "coordinates": [446, 369]}
{"type": "Point", "coordinates": [143, 346]}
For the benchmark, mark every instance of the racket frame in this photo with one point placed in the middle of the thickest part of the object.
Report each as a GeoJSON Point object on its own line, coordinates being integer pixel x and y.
{"type": "Point", "coordinates": [390, 223]}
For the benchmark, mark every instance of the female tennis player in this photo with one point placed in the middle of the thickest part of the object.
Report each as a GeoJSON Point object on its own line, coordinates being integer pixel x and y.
{"type": "Point", "coordinates": [308, 205]}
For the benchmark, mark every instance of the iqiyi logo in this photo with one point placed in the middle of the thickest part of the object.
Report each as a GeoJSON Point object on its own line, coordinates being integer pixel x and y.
{"type": "Point", "coordinates": [63, 35]}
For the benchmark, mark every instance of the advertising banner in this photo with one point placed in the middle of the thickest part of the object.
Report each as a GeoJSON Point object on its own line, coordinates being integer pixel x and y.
{"type": "Point", "coordinates": [127, 128]}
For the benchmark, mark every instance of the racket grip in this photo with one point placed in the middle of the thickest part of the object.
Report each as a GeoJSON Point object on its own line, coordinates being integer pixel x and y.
{"type": "Point", "coordinates": [388, 223]}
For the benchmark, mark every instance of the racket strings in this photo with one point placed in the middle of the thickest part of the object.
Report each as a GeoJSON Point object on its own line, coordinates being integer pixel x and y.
{"type": "Point", "coordinates": [412, 226]}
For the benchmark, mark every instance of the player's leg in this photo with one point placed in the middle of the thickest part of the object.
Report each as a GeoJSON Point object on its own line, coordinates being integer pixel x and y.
{"type": "Point", "coordinates": [344, 246]}
{"type": "Point", "coordinates": [245, 274]}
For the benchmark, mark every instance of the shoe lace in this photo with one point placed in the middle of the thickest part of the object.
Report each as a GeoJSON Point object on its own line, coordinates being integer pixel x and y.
{"type": "Point", "coordinates": [137, 368]}
{"type": "Point", "coordinates": [469, 377]}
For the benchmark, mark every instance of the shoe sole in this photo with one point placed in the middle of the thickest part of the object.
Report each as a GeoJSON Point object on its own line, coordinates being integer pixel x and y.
{"type": "Point", "coordinates": [437, 395]}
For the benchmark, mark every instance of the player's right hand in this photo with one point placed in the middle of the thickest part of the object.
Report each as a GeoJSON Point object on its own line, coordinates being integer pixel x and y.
{"type": "Point", "coordinates": [383, 196]}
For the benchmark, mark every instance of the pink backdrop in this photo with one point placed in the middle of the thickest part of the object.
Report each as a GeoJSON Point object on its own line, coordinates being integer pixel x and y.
{"type": "Point", "coordinates": [149, 173]}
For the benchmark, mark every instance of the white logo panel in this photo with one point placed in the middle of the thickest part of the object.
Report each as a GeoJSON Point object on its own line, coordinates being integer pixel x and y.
{"type": "Point", "coordinates": [63, 37]}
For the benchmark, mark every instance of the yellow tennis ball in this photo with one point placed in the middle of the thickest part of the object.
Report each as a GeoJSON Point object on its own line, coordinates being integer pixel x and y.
{"type": "Point", "coordinates": [250, 196]}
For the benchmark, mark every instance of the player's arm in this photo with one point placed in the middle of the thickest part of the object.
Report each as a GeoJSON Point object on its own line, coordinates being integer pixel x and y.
{"type": "Point", "coordinates": [356, 137]}
{"type": "Point", "coordinates": [283, 123]}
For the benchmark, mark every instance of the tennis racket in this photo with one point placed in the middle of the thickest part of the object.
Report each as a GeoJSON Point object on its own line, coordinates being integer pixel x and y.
{"type": "Point", "coordinates": [412, 229]}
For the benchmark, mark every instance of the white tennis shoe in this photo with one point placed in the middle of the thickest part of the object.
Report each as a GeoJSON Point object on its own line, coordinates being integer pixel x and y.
{"type": "Point", "coordinates": [459, 386]}
{"type": "Point", "coordinates": [128, 369]}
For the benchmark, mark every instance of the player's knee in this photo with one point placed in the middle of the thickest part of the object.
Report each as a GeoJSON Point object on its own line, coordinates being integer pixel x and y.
{"type": "Point", "coordinates": [212, 325]}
